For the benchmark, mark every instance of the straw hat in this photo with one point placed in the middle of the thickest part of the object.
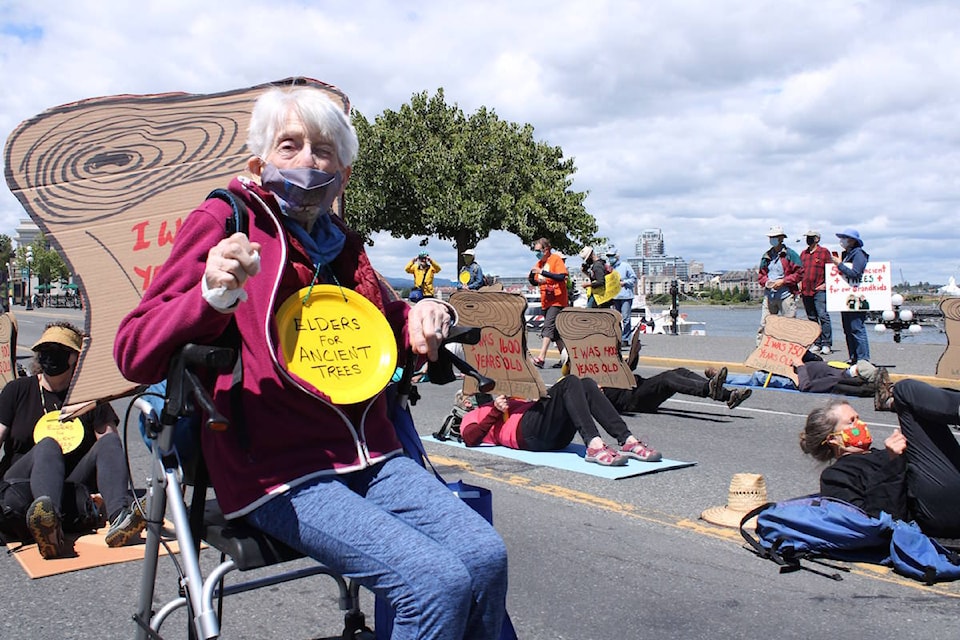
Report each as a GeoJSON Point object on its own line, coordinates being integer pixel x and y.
{"type": "Point", "coordinates": [747, 492]}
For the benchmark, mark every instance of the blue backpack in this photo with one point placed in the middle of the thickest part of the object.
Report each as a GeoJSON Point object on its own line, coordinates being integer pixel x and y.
{"type": "Point", "coordinates": [817, 527]}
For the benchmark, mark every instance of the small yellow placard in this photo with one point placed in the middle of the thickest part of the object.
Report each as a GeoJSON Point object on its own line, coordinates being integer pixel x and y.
{"type": "Point", "coordinates": [464, 277]}
{"type": "Point", "coordinates": [68, 433]}
{"type": "Point", "coordinates": [338, 341]}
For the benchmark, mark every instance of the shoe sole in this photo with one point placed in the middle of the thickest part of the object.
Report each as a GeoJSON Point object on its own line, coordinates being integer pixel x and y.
{"type": "Point", "coordinates": [656, 457]}
{"type": "Point", "coordinates": [44, 525]}
{"type": "Point", "coordinates": [121, 537]}
{"type": "Point", "coordinates": [746, 393]}
{"type": "Point", "coordinates": [716, 389]}
{"type": "Point", "coordinates": [621, 461]}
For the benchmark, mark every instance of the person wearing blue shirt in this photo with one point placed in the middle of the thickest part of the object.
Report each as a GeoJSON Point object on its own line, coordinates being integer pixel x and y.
{"type": "Point", "coordinates": [474, 277]}
{"type": "Point", "coordinates": [623, 301]}
{"type": "Point", "coordinates": [851, 264]}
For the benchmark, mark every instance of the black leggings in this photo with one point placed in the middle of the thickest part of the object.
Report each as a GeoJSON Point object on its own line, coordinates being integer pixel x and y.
{"type": "Point", "coordinates": [569, 409]}
{"type": "Point", "coordinates": [933, 455]}
{"type": "Point", "coordinates": [652, 392]}
{"type": "Point", "coordinates": [102, 469]}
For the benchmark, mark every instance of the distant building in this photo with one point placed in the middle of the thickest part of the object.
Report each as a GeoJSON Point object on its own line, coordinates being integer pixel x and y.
{"type": "Point", "coordinates": [741, 280]}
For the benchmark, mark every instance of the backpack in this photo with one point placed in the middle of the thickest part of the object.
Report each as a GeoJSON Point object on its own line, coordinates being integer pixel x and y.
{"type": "Point", "coordinates": [79, 512]}
{"type": "Point", "coordinates": [818, 527]}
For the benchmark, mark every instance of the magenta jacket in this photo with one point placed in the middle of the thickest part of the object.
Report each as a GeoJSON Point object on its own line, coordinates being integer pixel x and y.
{"type": "Point", "coordinates": [294, 432]}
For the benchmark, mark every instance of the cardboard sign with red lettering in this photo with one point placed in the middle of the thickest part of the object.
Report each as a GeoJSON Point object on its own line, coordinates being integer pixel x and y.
{"type": "Point", "coordinates": [948, 366]}
{"type": "Point", "coordinates": [592, 338]}
{"type": "Point", "coordinates": [782, 345]}
{"type": "Point", "coordinates": [110, 180]}
{"type": "Point", "coordinates": [8, 348]}
{"type": "Point", "coordinates": [502, 351]}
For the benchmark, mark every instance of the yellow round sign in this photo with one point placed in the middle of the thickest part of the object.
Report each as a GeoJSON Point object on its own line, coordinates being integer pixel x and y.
{"type": "Point", "coordinates": [464, 277]}
{"type": "Point", "coordinates": [338, 341]}
{"type": "Point", "coordinates": [69, 433]}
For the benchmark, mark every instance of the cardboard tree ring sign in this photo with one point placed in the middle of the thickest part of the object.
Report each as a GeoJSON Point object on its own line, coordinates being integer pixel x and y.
{"type": "Point", "coordinates": [592, 339]}
{"type": "Point", "coordinates": [948, 366]}
{"type": "Point", "coordinates": [501, 353]}
{"type": "Point", "coordinates": [782, 345]}
{"type": "Point", "coordinates": [8, 348]}
{"type": "Point", "coordinates": [109, 181]}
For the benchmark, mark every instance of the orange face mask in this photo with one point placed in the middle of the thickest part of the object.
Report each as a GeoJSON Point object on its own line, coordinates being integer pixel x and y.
{"type": "Point", "coordinates": [856, 435]}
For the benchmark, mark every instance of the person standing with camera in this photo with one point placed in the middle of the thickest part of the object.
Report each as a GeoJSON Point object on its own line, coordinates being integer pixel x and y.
{"type": "Point", "coordinates": [423, 268]}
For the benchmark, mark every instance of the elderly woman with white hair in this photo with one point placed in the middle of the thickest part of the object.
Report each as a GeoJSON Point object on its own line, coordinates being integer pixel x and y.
{"type": "Point", "coordinates": [326, 477]}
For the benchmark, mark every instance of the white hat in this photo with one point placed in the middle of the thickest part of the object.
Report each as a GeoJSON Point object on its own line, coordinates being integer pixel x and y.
{"type": "Point", "coordinates": [776, 230]}
{"type": "Point", "coordinates": [812, 232]}
{"type": "Point", "coordinates": [468, 252]}
{"type": "Point", "coordinates": [747, 492]}
{"type": "Point", "coordinates": [585, 252]}
{"type": "Point", "coordinates": [611, 249]}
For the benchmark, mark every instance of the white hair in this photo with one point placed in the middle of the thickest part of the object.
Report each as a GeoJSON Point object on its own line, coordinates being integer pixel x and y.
{"type": "Point", "coordinates": [320, 115]}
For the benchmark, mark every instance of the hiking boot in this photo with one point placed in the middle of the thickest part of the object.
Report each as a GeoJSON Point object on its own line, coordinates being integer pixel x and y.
{"type": "Point", "coordinates": [605, 457]}
{"type": "Point", "coordinates": [639, 451]}
{"type": "Point", "coordinates": [883, 395]}
{"type": "Point", "coordinates": [43, 522]}
{"type": "Point", "coordinates": [716, 384]}
{"type": "Point", "coordinates": [737, 396]}
{"type": "Point", "coordinates": [126, 526]}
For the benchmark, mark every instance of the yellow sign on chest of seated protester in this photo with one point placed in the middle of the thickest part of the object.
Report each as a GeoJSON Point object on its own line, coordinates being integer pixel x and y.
{"type": "Point", "coordinates": [338, 341]}
{"type": "Point", "coordinates": [69, 433]}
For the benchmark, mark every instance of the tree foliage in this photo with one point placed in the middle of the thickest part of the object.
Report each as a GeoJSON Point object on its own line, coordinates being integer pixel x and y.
{"type": "Point", "coordinates": [429, 170]}
{"type": "Point", "coordinates": [47, 265]}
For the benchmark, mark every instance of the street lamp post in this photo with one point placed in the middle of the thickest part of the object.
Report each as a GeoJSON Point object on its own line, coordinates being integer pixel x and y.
{"type": "Point", "coordinates": [897, 319]}
{"type": "Point", "coordinates": [29, 278]}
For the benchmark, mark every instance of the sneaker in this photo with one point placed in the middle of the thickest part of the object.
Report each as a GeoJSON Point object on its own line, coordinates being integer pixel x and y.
{"type": "Point", "coordinates": [825, 350]}
{"type": "Point", "coordinates": [813, 349]}
{"type": "Point", "coordinates": [43, 522]}
{"type": "Point", "coordinates": [126, 526]}
{"type": "Point", "coordinates": [737, 396]}
{"type": "Point", "coordinates": [639, 451]}
{"type": "Point", "coordinates": [716, 384]}
{"type": "Point", "coordinates": [605, 457]}
{"type": "Point", "coordinates": [883, 395]}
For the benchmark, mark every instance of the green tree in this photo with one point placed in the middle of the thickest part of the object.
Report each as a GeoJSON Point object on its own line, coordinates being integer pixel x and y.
{"type": "Point", "coordinates": [429, 170]}
{"type": "Point", "coordinates": [47, 265]}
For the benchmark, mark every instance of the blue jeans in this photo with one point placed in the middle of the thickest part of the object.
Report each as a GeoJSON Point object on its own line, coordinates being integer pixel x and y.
{"type": "Point", "coordinates": [402, 534]}
{"type": "Point", "coordinates": [855, 331]}
{"type": "Point", "coordinates": [623, 305]}
{"type": "Point", "coordinates": [816, 308]}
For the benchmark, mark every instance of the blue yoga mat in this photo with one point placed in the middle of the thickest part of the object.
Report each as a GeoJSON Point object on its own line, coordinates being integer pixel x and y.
{"type": "Point", "coordinates": [571, 459]}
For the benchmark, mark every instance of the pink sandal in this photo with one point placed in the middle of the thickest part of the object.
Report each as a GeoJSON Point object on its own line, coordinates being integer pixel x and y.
{"type": "Point", "coordinates": [640, 451]}
{"type": "Point", "coordinates": [605, 457]}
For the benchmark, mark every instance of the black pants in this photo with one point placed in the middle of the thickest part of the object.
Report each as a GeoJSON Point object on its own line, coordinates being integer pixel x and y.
{"type": "Point", "coordinates": [933, 455]}
{"type": "Point", "coordinates": [652, 392]}
{"type": "Point", "coordinates": [102, 469]}
{"type": "Point", "coordinates": [569, 409]}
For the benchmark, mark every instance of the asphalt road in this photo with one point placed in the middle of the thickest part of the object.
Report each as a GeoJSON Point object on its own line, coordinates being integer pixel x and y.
{"type": "Point", "coordinates": [589, 557]}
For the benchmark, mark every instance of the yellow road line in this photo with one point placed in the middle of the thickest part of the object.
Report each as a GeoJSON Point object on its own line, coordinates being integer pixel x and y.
{"type": "Point", "coordinates": [876, 572]}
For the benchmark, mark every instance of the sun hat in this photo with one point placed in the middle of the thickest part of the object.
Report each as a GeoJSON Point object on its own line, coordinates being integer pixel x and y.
{"type": "Point", "coordinates": [776, 230]}
{"type": "Point", "coordinates": [585, 252]}
{"type": "Point", "coordinates": [850, 233]}
{"type": "Point", "coordinates": [62, 336]}
{"type": "Point", "coordinates": [747, 492]}
{"type": "Point", "coordinates": [469, 252]}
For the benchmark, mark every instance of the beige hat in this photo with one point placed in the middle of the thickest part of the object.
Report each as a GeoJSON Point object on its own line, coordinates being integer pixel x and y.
{"type": "Point", "coordinates": [776, 230]}
{"type": "Point", "coordinates": [747, 492]}
{"type": "Point", "coordinates": [585, 252]}
{"type": "Point", "coordinates": [60, 335]}
{"type": "Point", "coordinates": [812, 232]}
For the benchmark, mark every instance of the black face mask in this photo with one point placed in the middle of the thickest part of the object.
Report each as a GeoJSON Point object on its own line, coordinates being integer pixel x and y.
{"type": "Point", "coordinates": [811, 240]}
{"type": "Point", "coordinates": [53, 362]}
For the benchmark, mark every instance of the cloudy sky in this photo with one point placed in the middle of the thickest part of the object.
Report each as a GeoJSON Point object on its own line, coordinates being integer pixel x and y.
{"type": "Point", "coordinates": [708, 119]}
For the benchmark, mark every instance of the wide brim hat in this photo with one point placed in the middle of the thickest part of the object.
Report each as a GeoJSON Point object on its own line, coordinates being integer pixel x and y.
{"type": "Point", "coordinates": [747, 492]}
{"type": "Point", "coordinates": [851, 233]}
{"type": "Point", "coordinates": [62, 336]}
{"type": "Point", "coordinates": [585, 252]}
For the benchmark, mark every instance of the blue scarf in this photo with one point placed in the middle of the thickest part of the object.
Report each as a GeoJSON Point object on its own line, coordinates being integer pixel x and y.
{"type": "Point", "coordinates": [323, 243]}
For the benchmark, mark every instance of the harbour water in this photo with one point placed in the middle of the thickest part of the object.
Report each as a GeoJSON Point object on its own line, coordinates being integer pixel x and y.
{"type": "Point", "coordinates": [742, 322]}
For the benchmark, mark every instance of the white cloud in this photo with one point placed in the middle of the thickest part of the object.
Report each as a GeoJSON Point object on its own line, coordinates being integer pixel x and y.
{"type": "Point", "coordinates": [708, 119]}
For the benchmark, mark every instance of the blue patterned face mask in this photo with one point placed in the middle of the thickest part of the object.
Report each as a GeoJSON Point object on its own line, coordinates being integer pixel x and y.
{"type": "Point", "coordinates": [303, 193]}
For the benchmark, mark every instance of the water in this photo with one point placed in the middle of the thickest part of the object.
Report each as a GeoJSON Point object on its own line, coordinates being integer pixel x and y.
{"type": "Point", "coordinates": [742, 322]}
